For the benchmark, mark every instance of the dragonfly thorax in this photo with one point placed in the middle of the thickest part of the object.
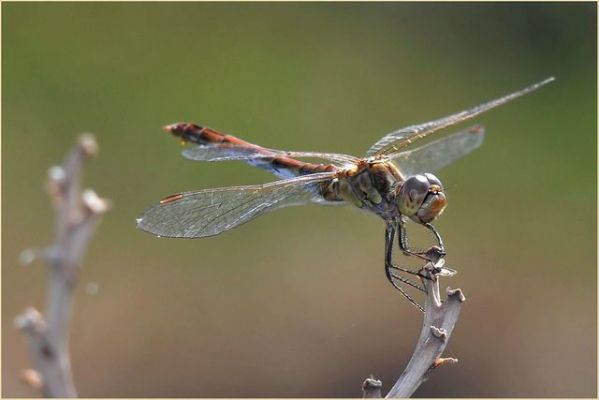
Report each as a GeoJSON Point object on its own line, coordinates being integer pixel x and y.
{"type": "Point", "coordinates": [370, 185]}
{"type": "Point", "coordinates": [421, 198]}
{"type": "Point", "coordinates": [378, 186]}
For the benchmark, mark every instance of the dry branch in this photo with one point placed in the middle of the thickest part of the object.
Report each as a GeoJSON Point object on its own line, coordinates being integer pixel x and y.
{"type": "Point", "coordinates": [437, 326]}
{"type": "Point", "coordinates": [77, 214]}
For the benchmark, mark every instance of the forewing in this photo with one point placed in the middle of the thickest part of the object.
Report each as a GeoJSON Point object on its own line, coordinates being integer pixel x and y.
{"type": "Point", "coordinates": [221, 152]}
{"type": "Point", "coordinates": [225, 152]}
{"type": "Point", "coordinates": [212, 211]}
{"type": "Point", "coordinates": [395, 141]}
{"type": "Point", "coordinates": [438, 154]}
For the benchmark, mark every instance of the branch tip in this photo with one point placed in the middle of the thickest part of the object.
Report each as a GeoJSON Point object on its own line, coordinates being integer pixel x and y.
{"type": "Point", "coordinates": [372, 383]}
{"type": "Point", "coordinates": [88, 144]}
{"type": "Point", "coordinates": [32, 378]}
{"type": "Point", "coordinates": [28, 256]}
{"type": "Point", "coordinates": [443, 361]}
{"type": "Point", "coordinates": [371, 388]}
{"type": "Point", "coordinates": [57, 174]}
{"type": "Point", "coordinates": [93, 203]}
{"type": "Point", "coordinates": [456, 292]}
{"type": "Point", "coordinates": [31, 320]}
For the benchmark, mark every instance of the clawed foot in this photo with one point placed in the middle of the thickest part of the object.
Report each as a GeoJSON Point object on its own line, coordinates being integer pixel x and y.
{"type": "Point", "coordinates": [433, 254]}
{"type": "Point", "coordinates": [435, 264]}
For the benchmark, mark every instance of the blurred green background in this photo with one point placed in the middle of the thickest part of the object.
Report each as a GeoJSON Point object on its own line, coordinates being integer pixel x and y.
{"type": "Point", "coordinates": [296, 303]}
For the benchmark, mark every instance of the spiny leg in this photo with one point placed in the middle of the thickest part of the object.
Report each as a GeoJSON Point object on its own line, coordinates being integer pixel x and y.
{"type": "Point", "coordinates": [432, 254]}
{"type": "Point", "coordinates": [407, 281]}
{"type": "Point", "coordinates": [407, 271]}
{"type": "Point", "coordinates": [438, 237]}
{"type": "Point", "coordinates": [403, 241]}
{"type": "Point", "coordinates": [407, 296]}
{"type": "Point", "coordinates": [389, 237]}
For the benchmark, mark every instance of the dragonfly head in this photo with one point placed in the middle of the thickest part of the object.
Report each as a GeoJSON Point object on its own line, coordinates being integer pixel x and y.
{"type": "Point", "coordinates": [421, 198]}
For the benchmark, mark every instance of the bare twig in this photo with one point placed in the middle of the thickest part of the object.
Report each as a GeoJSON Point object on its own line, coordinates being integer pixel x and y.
{"type": "Point", "coordinates": [437, 326]}
{"type": "Point", "coordinates": [371, 388]}
{"type": "Point", "coordinates": [77, 215]}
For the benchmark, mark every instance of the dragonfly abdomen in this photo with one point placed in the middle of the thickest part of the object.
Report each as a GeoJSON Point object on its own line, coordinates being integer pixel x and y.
{"type": "Point", "coordinates": [274, 162]}
{"type": "Point", "coordinates": [286, 167]}
{"type": "Point", "coordinates": [201, 135]}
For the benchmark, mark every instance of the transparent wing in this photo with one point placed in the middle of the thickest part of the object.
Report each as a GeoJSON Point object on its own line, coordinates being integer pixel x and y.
{"type": "Point", "coordinates": [438, 154]}
{"type": "Point", "coordinates": [221, 152]}
{"type": "Point", "coordinates": [212, 211]}
{"type": "Point", "coordinates": [395, 141]}
{"type": "Point", "coordinates": [227, 151]}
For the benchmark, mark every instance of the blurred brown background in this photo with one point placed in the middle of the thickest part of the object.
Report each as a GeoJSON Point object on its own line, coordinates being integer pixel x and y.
{"type": "Point", "coordinates": [296, 303]}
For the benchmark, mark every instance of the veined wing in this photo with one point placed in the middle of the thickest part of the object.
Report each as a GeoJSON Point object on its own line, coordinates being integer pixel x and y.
{"type": "Point", "coordinates": [228, 151]}
{"type": "Point", "coordinates": [212, 211]}
{"type": "Point", "coordinates": [395, 141]}
{"type": "Point", "coordinates": [438, 154]}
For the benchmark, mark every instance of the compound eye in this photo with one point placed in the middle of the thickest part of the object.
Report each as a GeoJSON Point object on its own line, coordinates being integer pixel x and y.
{"type": "Point", "coordinates": [411, 195]}
{"type": "Point", "coordinates": [433, 180]}
{"type": "Point", "coordinates": [416, 186]}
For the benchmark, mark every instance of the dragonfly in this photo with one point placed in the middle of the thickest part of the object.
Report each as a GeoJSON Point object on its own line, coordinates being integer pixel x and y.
{"type": "Point", "coordinates": [394, 180]}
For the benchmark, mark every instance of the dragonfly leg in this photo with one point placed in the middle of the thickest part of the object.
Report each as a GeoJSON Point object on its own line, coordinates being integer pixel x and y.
{"type": "Point", "coordinates": [441, 249]}
{"type": "Point", "coordinates": [407, 271]}
{"type": "Point", "coordinates": [403, 242]}
{"type": "Point", "coordinates": [407, 296]}
{"type": "Point", "coordinates": [389, 237]}
{"type": "Point", "coordinates": [393, 278]}
{"type": "Point", "coordinates": [406, 281]}
{"type": "Point", "coordinates": [433, 254]}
